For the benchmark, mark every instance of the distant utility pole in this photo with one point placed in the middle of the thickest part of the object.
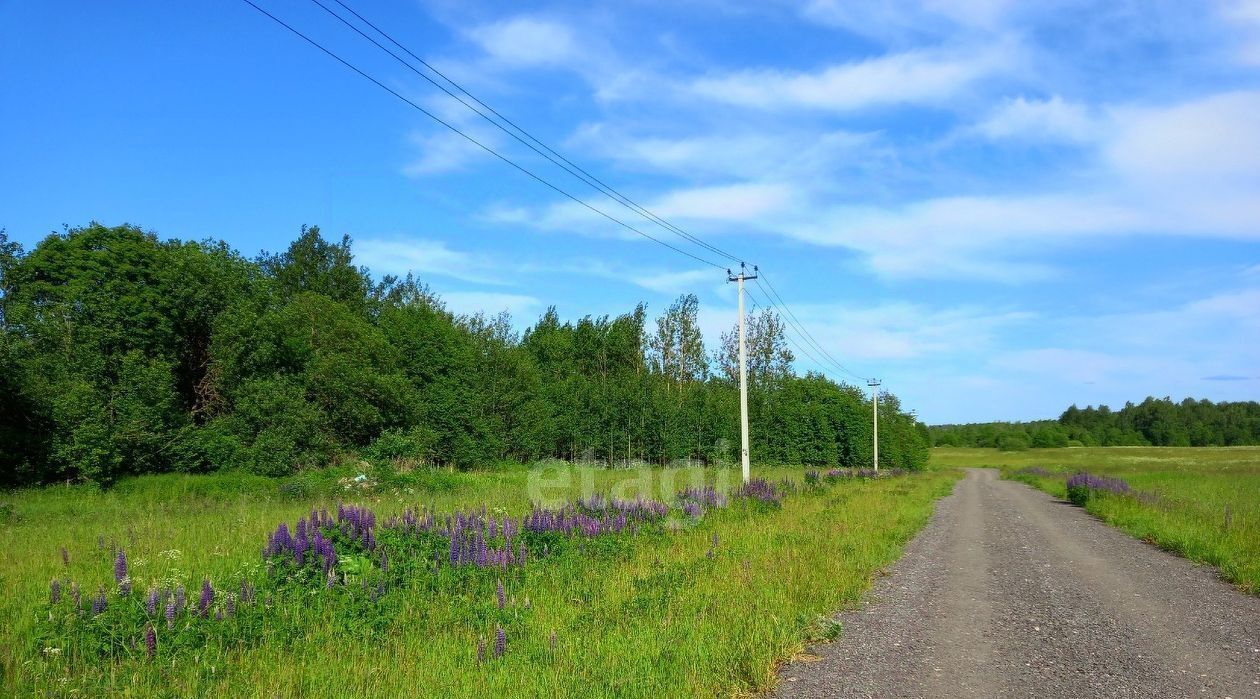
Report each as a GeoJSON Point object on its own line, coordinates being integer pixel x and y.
{"type": "Point", "coordinates": [874, 384]}
{"type": "Point", "coordinates": [743, 368]}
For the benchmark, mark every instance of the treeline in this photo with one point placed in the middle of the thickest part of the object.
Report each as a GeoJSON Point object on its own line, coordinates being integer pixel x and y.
{"type": "Point", "coordinates": [1153, 422]}
{"type": "Point", "coordinates": [121, 354]}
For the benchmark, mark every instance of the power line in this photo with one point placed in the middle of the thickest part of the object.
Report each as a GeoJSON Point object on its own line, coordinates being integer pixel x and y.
{"type": "Point", "coordinates": [542, 149]}
{"type": "Point", "coordinates": [479, 144]}
{"type": "Point", "coordinates": [550, 154]}
{"type": "Point", "coordinates": [801, 326]}
{"type": "Point", "coordinates": [789, 338]}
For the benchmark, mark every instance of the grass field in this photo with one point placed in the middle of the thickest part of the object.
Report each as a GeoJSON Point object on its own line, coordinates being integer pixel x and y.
{"type": "Point", "coordinates": [688, 608]}
{"type": "Point", "coordinates": [1201, 503]}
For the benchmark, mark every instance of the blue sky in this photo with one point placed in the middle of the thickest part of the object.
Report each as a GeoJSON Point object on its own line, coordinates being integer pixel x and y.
{"type": "Point", "coordinates": [999, 208]}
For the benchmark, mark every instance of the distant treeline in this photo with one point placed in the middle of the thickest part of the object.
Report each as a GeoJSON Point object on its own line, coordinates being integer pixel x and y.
{"type": "Point", "coordinates": [121, 354]}
{"type": "Point", "coordinates": [1153, 422]}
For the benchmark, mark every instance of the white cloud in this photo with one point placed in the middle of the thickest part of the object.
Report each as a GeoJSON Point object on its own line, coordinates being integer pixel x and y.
{"type": "Point", "coordinates": [886, 332]}
{"type": "Point", "coordinates": [1216, 138]}
{"type": "Point", "coordinates": [490, 303]}
{"type": "Point", "coordinates": [912, 77]}
{"type": "Point", "coordinates": [673, 282]}
{"type": "Point", "coordinates": [734, 202]}
{"type": "Point", "coordinates": [893, 18]}
{"type": "Point", "coordinates": [1040, 120]}
{"type": "Point", "coordinates": [1152, 350]}
{"type": "Point", "coordinates": [424, 257]}
{"type": "Point", "coordinates": [441, 152]}
{"type": "Point", "coordinates": [778, 154]}
{"type": "Point", "coordinates": [969, 237]}
{"type": "Point", "coordinates": [1244, 15]}
{"type": "Point", "coordinates": [695, 208]}
{"type": "Point", "coordinates": [527, 42]}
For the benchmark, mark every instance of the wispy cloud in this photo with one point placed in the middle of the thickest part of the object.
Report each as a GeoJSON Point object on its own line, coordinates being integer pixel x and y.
{"type": "Point", "coordinates": [424, 257]}
{"type": "Point", "coordinates": [1051, 119]}
{"type": "Point", "coordinates": [490, 303]}
{"type": "Point", "coordinates": [524, 42]}
{"type": "Point", "coordinates": [910, 77]}
{"type": "Point", "coordinates": [898, 18]}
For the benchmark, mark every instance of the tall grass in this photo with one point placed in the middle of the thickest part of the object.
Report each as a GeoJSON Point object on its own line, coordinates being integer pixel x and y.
{"type": "Point", "coordinates": [701, 610]}
{"type": "Point", "coordinates": [1200, 503]}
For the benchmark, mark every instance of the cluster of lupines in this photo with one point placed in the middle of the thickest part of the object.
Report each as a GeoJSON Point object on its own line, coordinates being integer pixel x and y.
{"type": "Point", "coordinates": [585, 522]}
{"type": "Point", "coordinates": [476, 538]}
{"type": "Point", "coordinates": [764, 491]}
{"type": "Point", "coordinates": [473, 535]}
{"type": "Point", "coordinates": [310, 545]}
{"type": "Point", "coordinates": [812, 478]}
{"type": "Point", "coordinates": [159, 603]}
{"type": "Point", "coordinates": [500, 645]}
{"type": "Point", "coordinates": [639, 509]}
{"type": "Point", "coordinates": [358, 524]}
{"type": "Point", "coordinates": [694, 500]}
{"type": "Point", "coordinates": [1081, 485]}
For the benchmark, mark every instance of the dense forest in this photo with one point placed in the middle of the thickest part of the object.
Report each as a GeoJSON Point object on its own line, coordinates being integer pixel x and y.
{"type": "Point", "coordinates": [121, 353]}
{"type": "Point", "coordinates": [1153, 422]}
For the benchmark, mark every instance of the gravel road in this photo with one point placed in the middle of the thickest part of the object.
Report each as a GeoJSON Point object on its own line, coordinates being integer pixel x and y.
{"type": "Point", "coordinates": [1009, 592]}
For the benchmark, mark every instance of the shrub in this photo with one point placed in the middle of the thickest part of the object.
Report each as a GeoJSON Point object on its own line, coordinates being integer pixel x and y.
{"type": "Point", "coordinates": [414, 445]}
{"type": "Point", "coordinates": [1013, 441]}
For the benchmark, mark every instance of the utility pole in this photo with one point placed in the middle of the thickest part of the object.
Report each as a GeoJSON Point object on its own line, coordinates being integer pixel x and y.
{"type": "Point", "coordinates": [874, 384]}
{"type": "Point", "coordinates": [743, 369]}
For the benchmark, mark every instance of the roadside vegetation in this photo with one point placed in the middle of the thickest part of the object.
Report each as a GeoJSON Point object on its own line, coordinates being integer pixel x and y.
{"type": "Point", "coordinates": [1200, 503]}
{"type": "Point", "coordinates": [186, 586]}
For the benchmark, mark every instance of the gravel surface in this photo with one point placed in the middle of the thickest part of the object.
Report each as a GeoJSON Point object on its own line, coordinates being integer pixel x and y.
{"type": "Point", "coordinates": [1009, 592]}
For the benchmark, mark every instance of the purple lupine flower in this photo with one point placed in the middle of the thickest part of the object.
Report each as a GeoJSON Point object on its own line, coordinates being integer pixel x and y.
{"type": "Point", "coordinates": [181, 598]}
{"type": "Point", "coordinates": [120, 572]}
{"type": "Point", "coordinates": [65, 557]}
{"type": "Point", "coordinates": [218, 614]}
{"type": "Point", "coordinates": [230, 605]}
{"type": "Point", "coordinates": [692, 509]}
{"type": "Point", "coordinates": [481, 650]}
{"type": "Point", "coordinates": [170, 613]}
{"type": "Point", "coordinates": [500, 641]}
{"type": "Point", "coordinates": [500, 594]}
{"type": "Point", "coordinates": [54, 591]}
{"type": "Point", "coordinates": [99, 602]}
{"type": "Point", "coordinates": [150, 640]}
{"type": "Point", "coordinates": [76, 596]}
{"type": "Point", "coordinates": [384, 561]}
{"type": "Point", "coordinates": [151, 602]}
{"type": "Point", "coordinates": [1092, 482]}
{"type": "Point", "coordinates": [207, 597]}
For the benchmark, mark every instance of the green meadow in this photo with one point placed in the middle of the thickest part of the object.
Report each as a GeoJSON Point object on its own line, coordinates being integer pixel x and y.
{"type": "Point", "coordinates": [1202, 503]}
{"type": "Point", "coordinates": [695, 607]}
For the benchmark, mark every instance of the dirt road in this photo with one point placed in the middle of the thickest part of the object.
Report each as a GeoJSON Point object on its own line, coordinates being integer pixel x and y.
{"type": "Point", "coordinates": [1011, 593]}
